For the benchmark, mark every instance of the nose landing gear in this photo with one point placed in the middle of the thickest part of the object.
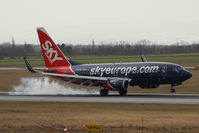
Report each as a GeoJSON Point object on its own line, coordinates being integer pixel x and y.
{"type": "Point", "coordinates": [122, 92]}
{"type": "Point", "coordinates": [104, 92]}
{"type": "Point", "coordinates": [172, 90]}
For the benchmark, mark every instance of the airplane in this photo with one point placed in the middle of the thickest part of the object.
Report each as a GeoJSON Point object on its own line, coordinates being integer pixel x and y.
{"type": "Point", "coordinates": [110, 76]}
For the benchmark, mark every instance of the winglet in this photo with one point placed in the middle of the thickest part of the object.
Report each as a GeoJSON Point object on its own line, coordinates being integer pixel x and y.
{"type": "Point", "coordinates": [143, 58]}
{"type": "Point", "coordinates": [191, 68]}
{"type": "Point", "coordinates": [29, 66]}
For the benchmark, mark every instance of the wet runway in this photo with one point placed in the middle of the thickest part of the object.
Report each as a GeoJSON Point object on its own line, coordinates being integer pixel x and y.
{"type": "Point", "coordinates": [112, 98]}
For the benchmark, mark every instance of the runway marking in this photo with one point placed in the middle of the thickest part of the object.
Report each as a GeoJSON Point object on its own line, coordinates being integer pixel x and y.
{"type": "Point", "coordinates": [11, 68]}
{"type": "Point", "coordinates": [113, 98]}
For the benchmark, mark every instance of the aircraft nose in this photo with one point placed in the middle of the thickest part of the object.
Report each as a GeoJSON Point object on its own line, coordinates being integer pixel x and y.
{"type": "Point", "coordinates": [188, 74]}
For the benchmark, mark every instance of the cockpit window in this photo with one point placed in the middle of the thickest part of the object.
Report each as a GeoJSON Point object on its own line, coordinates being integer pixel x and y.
{"type": "Point", "coordinates": [178, 68]}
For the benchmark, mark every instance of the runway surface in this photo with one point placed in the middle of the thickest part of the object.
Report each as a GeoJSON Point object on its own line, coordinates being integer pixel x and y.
{"type": "Point", "coordinates": [11, 68]}
{"type": "Point", "coordinates": [112, 98]}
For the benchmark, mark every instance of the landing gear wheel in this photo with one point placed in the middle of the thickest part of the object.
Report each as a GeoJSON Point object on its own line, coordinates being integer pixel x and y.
{"type": "Point", "coordinates": [103, 92]}
{"type": "Point", "coordinates": [172, 90]}
{"type": "Point", "coordinates": [122, 92]}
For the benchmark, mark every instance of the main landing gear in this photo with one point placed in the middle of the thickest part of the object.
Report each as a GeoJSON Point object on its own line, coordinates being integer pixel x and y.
{"type": "Point", "coordinates": [104, 92]}
{"type": "Point", "coordinates": [172, 90]}
{"type": "Point", "coordinates": [122, 92]}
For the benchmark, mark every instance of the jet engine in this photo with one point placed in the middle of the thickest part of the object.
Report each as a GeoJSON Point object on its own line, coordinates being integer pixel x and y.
{"type": "Point", "coordinates": [117, 84]}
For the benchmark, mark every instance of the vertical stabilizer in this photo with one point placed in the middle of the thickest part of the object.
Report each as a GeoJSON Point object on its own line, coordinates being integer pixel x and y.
{"type": "Point", "coordinates": [53, 56]}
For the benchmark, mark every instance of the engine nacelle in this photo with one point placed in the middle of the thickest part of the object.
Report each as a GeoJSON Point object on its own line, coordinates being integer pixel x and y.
{"type": "Point", "coordinates": [145, 86]}
{"type": "Point", "coordinates": [117, 84]}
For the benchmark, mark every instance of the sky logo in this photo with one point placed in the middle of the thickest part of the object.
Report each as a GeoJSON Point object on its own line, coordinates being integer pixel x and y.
{"type": "Point", "coordinates": [50, 53]}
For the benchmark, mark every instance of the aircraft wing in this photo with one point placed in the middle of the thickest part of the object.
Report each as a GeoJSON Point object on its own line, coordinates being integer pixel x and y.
{"type": "Point", "coordinates": [80, 77]}
{"type": "Point", "coordinates": [186, 67]}
{"type": "Point", "coordinates": [191, 68]}
{"type": "Point", "coordinates": [82, 80]}
{"type": "Point", "coordinates": [92, 80]}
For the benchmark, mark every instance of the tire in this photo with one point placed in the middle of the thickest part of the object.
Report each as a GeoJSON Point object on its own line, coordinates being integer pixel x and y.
{"type": "Point", "coordinates": [103, 92]}
{"type": "Point", "coordinates": [172, 90]}
{"type": "Point", "coordinates": [122, 92]}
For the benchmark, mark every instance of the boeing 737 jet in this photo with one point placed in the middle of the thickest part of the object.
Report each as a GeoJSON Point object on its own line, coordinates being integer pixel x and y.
{"type": "Point", "coordinates": [110, 76]}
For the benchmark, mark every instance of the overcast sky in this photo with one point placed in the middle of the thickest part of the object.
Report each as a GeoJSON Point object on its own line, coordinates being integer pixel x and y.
{"type": "Point", "coordinates": [80, 21]}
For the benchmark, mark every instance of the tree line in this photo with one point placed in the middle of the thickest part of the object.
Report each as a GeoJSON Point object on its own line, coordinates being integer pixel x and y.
{"type": "Point", "coordinates": [119, 48]}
